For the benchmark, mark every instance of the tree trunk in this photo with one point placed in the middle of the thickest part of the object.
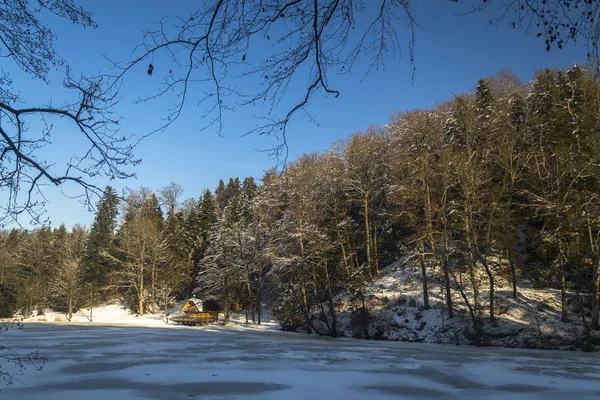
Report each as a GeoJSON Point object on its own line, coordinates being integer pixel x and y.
{"type": "Point", "coordinates": [446, 268]}
{"type": "Point", "coordinates": [249, 289]}
{"type": "Point", "coordinates": [353, 254]}
{"type": "Point", "coordinates": [448, 293]}
{"type": "Point", "coordinates": [596, 297]}
{"type": "Point", "coordinates": [368, 236]}
{"type": "Point", "coordinates": [513, 270]}
{"type": "Point", "coordinates": [165, 301]}
{"type": "Point", "coordinates": [258, 293]}
{"type": "Point", "coordinates": [490, 275]}
{"type": "Point", "coordinates": [339, 234]}
{"type": "Point", "coordinates": [471, 262]}
{"type": "Point", "coordinates": [91, 302]}
{"type": "Point", "coordinates": [334, 326]}
{"type": "Point", "coordinates": [364, 315]}
{"type": "Point", "coordinates": [563, 298]}
{"type": "Point", "coordinates": [424, 278]}
{"type": "Point", "coordinates": [259, 306]}
{"type": "Point", "coordinates": [595, 279]}
{"type": "Point", "coordinates": [305, 309]}
{"type": "Point", "coordinates": [472, 313]}
{"type": "Point", "coordinates": [153, 288]}
{"type": "Point", "coordinates": [589, 346]}
{"type": "Point", "coordinates": [429, 222]}
{"type": "Point", "coordinates": [141, 289]}
{"type": "Point", "coordinates": [70, 312]}
{"type": "Point", "coordinates": [375, 250]}
{"type": "Point", "coordinates": [227, 304]}
{"type": "Point", "coordinates": [492, 316]}
{"type": "Point", "coordinates": [563, 285]}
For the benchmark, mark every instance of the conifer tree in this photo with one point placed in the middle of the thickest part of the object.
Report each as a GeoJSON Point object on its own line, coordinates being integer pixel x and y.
{"type": "Point", "coordinates": [221, 195]}
{"type": "Point", "coordinates": [176, 269]}
{"type": "Point", "coordinates": [205, 219]}
{"type": "Point", "coordinates": [96, 267]}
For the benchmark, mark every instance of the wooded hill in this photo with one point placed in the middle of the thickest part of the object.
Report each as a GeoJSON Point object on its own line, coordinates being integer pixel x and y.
{"type": "Point", "coordinates": [500, 183]}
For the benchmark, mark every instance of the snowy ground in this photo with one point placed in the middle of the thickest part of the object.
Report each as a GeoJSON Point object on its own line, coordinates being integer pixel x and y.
{"type": "Point", "coordinates": [107, 314]}
{"type": "Point", "coordinates": [119, 314]}
{"type": "Point", "coordinates": [116, 362]}
{"type": "Point", "coordinates": [533, 320]}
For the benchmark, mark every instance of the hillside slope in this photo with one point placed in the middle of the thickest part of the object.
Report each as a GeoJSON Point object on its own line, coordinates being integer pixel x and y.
{"type": "Point", "coordinates": [396, 312]}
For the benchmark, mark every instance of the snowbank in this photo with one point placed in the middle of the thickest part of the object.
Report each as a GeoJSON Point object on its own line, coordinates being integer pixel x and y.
{"type": "Point", "coordinates": [115, 313]}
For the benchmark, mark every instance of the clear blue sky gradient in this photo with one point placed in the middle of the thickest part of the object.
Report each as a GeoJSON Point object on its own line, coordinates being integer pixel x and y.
{"type": "Point", "coordinates": [451, 53]}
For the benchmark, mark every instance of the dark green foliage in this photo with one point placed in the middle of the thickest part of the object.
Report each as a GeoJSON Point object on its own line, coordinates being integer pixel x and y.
{"type": "Point", "coordinates": [225, 193]}
{"type": "Point", "coordinates": [207, 211]}
{"type": "Point", "coordinates": [179, 243]}
{"type": "Point", "coordinates": [8, 301]}
{"type": "Point", "coordinates": [483, 98]}
{"type": "Point", "coordinates": [221, 195]}
{"type": "Point", "coordinates": [96, 266]}
{"type": "Point", "coordinates": [201, 223]}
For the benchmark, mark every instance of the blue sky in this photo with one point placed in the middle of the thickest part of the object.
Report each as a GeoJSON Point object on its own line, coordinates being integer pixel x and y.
{"type": "Point", "coordinates": [451, 53]}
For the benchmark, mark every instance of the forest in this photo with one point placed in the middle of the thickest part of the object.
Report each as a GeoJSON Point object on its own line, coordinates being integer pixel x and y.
{"type": "Point", "coordinates": [496, 185]}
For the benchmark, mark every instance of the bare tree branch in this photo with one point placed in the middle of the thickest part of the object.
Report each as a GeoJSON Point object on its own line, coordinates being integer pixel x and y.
{"type": "Point", "coordinates": [23, 172]}
{"type": "Point", "coordinates": [272, 43]}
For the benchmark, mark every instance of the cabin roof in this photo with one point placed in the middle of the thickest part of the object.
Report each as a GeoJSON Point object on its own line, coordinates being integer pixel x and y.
{"type": "Point", "coordinates": [192, 306]}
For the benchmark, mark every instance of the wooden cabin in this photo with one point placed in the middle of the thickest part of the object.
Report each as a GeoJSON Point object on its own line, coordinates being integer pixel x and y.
{"type": "Point", "coordinates": [192, 307]}
{"type": "Point", "coordinates": [194, 314]}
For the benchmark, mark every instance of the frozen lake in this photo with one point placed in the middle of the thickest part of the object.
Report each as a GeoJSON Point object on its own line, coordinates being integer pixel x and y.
{"type": "Point", "coordinates": [111, 362]}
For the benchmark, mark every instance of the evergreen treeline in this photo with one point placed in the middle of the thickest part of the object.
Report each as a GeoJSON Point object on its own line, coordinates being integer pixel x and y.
{"type": "Point", "coordinates": [500, 183]}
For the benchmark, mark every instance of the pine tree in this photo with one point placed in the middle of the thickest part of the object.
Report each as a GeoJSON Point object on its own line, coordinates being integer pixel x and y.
{"type": "Point", "coordinates": [221, 195]}
{"type": "Point", "coordinates": [225, 193]}
{"type": "Point", "coordinates": [176, 269]}
{"type": "Point", "coordinates": [247, 196]}
{"type": "Point", "coordinates": [96, 266]}
{"type": "Point", "coordinates": [203, 223]}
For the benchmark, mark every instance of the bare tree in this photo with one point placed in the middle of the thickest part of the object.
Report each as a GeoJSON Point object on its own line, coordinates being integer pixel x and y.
{"type": "Point", "coordinates": [366, 179]}
{"type": "Point", "coordinates": [66, 282]}
{"type": "Point", "coordinates": [24, 130]}
{"type": "Point", "coordinates": [169, 196]}
{"type": "Point", "coordinates": [139, 249]}
{"type": "Point", "coordinates": [414, 174]}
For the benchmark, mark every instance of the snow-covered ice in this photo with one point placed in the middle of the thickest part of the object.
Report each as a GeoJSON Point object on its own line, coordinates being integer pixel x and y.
{"type": "Point", "coordinates": [119, 362]}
